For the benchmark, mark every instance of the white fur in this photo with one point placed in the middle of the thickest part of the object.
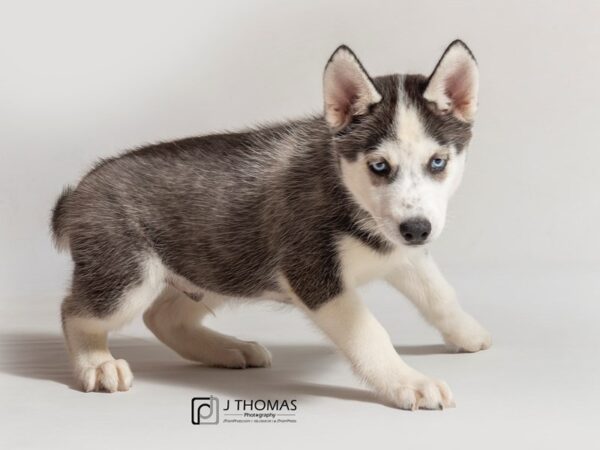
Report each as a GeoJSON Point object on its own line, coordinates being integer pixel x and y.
{"type": "Point", "coordinates": [361, 264]}
{"type": "Point", "coordinates": [360, 337]}
{"type": "Point", "coordinates": [350, 325]}
{"type": "Point", "coordinates": [173, 318]}
{"type": "Point", "coordinates": [176, 321]}
{"type": "Point", "coordinates": [413, 193]}
{"type": "Point", "coordinates": [419, 279]}
{"type": "Point", "coordinates": [93, 364]}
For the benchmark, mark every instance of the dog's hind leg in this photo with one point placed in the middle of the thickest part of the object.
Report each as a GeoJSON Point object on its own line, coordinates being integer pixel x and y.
{"type": "Point", "coordinates": [423, 284]}
{"type": "Point", "coordinates": [94, 366]}
{"type": "Point", "coordinates": [89, 314]}
{"type": "Point", "coordinates": [176, 320]}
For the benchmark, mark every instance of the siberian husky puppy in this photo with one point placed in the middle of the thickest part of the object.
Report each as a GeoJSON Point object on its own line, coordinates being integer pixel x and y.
{"type": "Point", "coordinates": [302, 212]}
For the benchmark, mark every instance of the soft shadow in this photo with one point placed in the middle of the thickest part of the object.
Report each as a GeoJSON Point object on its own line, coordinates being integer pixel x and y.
{"type": "Point", "coordinates": [420, 350]}
{"type": "Point", "coordinates": [43, 356]}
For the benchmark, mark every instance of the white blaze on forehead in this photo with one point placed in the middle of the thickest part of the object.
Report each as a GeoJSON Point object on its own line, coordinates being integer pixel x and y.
{"type": "Point", "coordinates": [408, 125]}
{"type": "Point", "coordinates": [412, 138]}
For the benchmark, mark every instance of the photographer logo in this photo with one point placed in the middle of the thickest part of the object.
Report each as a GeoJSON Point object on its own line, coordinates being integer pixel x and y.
{"type": "Point", "coordinates": [208, 410]}
{"type": "Point", "coordinates": [205, 410]}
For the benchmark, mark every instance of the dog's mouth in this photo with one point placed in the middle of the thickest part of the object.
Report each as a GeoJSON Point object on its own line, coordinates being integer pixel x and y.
{"type": "Point", "coordinates": [416, 244]}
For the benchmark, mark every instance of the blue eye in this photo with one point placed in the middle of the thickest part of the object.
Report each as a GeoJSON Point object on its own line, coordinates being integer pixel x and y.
{"type": "Point", "coordinates": [437, 164]}
{"type": "Point", "coordinates": [380, 168]}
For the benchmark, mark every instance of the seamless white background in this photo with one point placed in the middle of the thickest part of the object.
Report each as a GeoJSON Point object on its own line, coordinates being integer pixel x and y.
{"type": "Point", "coordinates": [84, 80]}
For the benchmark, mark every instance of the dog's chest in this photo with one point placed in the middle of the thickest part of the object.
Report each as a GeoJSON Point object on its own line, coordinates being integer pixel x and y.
{"type": "Point", "coordinates": [361, 264]}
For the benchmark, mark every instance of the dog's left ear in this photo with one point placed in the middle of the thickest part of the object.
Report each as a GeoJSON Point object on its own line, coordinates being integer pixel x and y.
{"type": "Point", "coordinates": [347, 89]}
{"type": "Point", "coordinates": [454, 84]}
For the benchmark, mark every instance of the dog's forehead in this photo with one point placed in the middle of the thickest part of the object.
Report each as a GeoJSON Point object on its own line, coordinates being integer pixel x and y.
{"type": "Point", "coordinates": [412, 140]}
{"type": "Point", "coordinates": [409, 125]}
{"type": "Point", "coordinates": [414, 114]}
{"type": "Point", "coordinates": [403, 115]}
{"type": "Point", "coordinates": [408, 138]}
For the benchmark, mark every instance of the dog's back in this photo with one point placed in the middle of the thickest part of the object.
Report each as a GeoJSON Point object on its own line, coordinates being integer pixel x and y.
{"type": "Point", "coordinates": [207, 207]}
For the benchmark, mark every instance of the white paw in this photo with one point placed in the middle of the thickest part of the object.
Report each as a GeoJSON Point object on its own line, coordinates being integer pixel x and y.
{"type": "Point", "coordinates": [422, 393]}
{"type": "Point", "coordinates": [110, 376]}
{"type": "Point", "coordinates": [467, 335]}
{"type": "Point", "coordinates": [243, 355]}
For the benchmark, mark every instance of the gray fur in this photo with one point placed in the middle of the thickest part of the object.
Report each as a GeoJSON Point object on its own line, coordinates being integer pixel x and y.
{"type": "Point", "coordinates": [58, 214]}
{"type": "Point", "coordinates": [231, 212]}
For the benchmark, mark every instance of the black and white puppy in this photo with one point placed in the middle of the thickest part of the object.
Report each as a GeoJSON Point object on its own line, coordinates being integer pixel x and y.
{"type": "Point", "coordinates": [302, 213]}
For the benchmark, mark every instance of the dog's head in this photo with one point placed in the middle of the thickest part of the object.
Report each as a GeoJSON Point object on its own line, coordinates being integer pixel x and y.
{"type": "Point", "coordinates": [402, 139]}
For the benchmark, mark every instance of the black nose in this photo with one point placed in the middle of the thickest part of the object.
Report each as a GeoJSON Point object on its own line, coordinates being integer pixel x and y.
{"type": "Point", "coordinates": [415, 231]}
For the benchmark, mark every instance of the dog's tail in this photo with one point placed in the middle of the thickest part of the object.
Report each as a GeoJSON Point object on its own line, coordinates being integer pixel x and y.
{"type": "Point", "coordinates": [58, 220]}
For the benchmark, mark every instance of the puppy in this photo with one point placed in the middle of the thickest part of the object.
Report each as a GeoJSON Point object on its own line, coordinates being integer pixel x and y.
{"type": "Point", "coordinates": [302, 212]}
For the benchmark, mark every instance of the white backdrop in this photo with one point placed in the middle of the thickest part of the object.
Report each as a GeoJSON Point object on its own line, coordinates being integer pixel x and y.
{"type": "Point", "coordinates": [81, 81]}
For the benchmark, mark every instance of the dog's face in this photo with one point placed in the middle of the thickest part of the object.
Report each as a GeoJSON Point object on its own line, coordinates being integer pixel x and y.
{"type": "Point", "coordinates": [402, 140]}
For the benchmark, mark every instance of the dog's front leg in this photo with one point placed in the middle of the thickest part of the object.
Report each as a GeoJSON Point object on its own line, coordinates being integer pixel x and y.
{"type": "Point", "coordinates": [423, 284]}
{"type": "Point", "coordinates": [351, 326]}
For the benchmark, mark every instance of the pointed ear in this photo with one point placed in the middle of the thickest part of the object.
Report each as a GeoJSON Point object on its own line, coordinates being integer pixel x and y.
{"type": "Point", "coordinates": [347, 89]}
{"type": "Point", "coordinates": [454, 84]}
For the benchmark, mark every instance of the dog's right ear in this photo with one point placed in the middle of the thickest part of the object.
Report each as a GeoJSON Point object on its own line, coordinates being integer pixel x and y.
{"type": "Point", "coordinates": [347, 89]}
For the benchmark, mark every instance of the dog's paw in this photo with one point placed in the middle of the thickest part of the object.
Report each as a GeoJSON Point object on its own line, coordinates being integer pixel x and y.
{"type": "Point", "coordinates": [467, 335]}
{"type": "Point", "coordinates": [242, 356]}
{"type": "Point", "coordinates": [422, 393]}
{"type": "Point", "coordinates": [256, 355]}
{"type": "Point", "coordinates": [110, 376]}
